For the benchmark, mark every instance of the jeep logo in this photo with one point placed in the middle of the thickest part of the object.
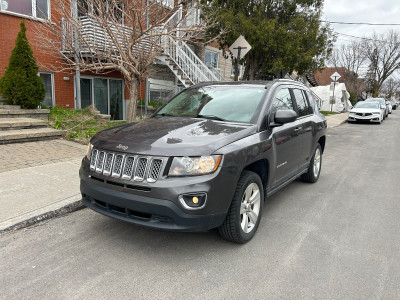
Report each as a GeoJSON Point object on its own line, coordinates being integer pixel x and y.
{"type": "Point", "coordinates": [122, 147]}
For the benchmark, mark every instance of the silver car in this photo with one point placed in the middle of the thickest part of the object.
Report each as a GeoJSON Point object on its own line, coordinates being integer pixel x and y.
{"type": "Point", "coordinates": [383, 105]}
{"type": "Point", "coordinates": [366, 112]}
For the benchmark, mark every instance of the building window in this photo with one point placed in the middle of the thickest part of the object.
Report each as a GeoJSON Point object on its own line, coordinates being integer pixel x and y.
{"type": "Point", "coordinates": [48, 82]}
{"type": "Point", "coordinates": [33, 8]}
{"type": "Point", "coordinates": [211, 59]}
{"type": "Point", "coordinates": [106, 94]}
{"type": "Point", "coordinates": [114, 10]}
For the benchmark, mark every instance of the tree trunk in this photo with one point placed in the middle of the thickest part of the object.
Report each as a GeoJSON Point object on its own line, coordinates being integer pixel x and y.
{"type": "Point", "coordinates": [133, 92]}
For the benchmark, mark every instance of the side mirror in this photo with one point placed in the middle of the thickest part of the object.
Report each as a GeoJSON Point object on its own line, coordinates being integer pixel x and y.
{"type": "Point", "coordinates": [285, 116]}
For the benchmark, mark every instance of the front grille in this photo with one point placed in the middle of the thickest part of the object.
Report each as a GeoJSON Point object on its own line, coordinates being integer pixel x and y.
{"type": "Point", "coordinates": [126, 167]}
{"type": "Point", "coordinates": [140, 169]}
{"type": "Point", "coordinates": [108, 164]}
{"type": "Point", "coordinates": [119, 159]}
{"type": "Point", "coordinates": [155, 170]}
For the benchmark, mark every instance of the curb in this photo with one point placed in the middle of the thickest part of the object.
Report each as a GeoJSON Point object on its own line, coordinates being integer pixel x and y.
{"type": "Point", "coordinates": [71, 207]}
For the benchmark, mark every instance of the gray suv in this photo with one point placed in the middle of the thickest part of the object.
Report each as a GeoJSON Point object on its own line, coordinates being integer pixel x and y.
{"type": "Point", "coordinates": [207, 159]}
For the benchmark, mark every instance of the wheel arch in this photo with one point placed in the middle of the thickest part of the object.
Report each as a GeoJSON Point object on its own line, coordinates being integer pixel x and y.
{"type": "Point", "coordinates": [322, 141]}
{"type": "Point", "coordinates": [261, 168]}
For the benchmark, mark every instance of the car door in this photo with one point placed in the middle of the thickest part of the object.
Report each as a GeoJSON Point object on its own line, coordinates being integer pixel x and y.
{"type": "Point", "coordinates": [285, 139]}
{"type": "Point", "coordinates": [305, 127]}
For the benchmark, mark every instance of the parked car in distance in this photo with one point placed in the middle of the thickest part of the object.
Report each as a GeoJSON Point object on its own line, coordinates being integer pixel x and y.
{"type": "Point", "coordinates": [208, 158]}
{"type": "Point", "coordinates": [383, 105]}
{"type": "Point", "coordinates": [389, 105]}
{"type": "Point", "coordinates": [369, 111]}
{"type": "Point", "coordinates": [394, 104]}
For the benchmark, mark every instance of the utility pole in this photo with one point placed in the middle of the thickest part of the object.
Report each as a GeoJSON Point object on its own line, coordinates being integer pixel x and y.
{"type": "Point", "coordinates": [146, 87]}
{"type": "Point", "coordinates": [239, 49]}
{"type": "Point", "coordinates": [76, 56]}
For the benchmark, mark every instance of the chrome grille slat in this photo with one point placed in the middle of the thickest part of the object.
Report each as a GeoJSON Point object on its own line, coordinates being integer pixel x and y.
{"type": "Point", "coordinates": [108, 164]}
{"type": "Point", "coordinates": [119, 159]}
{"type": "Point", "coordinates": [93, 159]}
{"type": "Point", "coordinates": [128, 168]}
{"type": "Point", "coordinates": [140, 169]}
{"type": "Point", "coordinates": [100, 162]}
{"type": "Point", "coordinates": [155, 170]}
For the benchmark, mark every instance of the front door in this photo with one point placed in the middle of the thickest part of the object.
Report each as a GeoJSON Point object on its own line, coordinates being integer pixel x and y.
{"type": "Point", "coordinates": [285, 139]}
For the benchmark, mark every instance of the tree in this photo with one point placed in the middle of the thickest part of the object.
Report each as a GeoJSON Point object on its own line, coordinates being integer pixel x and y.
{"type": "Point", "coordinates": [284, 34]}
{"type": "Point", "coordinates": [383, 53]}
{"type": "Point", "coordinates": [351, 57]}
{"type": "Point", "coordinates": [21, 84]}
{"type": "Point", "coordinates": [97, 40]}
{"type": "Point", "coordinates": [390, 87]}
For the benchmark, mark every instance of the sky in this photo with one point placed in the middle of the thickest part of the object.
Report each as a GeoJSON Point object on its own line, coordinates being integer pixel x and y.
{"type": "Point", "coordinates": [366, 11]}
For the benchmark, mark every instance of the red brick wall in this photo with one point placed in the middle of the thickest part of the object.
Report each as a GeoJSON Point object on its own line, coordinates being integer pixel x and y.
{"type": "Point", "coordinates": [64, 89]}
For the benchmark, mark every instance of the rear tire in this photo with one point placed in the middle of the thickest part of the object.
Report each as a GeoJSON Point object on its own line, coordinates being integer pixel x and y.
{"type": "Point", "coordinates": [245, 212]}
{"type": "Point", "coordinates": [314, 168]}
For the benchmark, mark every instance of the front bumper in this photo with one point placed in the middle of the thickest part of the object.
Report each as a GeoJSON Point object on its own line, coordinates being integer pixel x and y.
{"type": "Point", "coordinates": [372, 118]}
{"type": "Point", "coordinates": [158, 206]}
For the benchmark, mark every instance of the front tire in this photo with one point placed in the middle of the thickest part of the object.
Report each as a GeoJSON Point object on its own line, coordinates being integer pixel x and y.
{"type": "Point", "coordinates": [314, 168]}
{"type": "Point", "coordinates": [244, 214]}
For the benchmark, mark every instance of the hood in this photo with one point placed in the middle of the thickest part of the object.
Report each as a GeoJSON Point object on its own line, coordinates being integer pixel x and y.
{"type": "Point", "coordinates": [364, 110]}
{"type": "Point", "coordinates": [172, 136]}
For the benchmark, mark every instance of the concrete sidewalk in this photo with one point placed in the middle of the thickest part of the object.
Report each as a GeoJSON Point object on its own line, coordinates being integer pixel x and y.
{"type": "Point", "coordinates": [336, 119]}
{"type": "Point", "coordinates": [38, 180]}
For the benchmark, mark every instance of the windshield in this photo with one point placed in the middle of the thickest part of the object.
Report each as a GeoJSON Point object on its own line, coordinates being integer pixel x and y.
{"type": "Point", "coordinates": [367, 105]}
{"type": "Point", "coordinates": [225, 103]}
{"type": "Point", "coordinates": [380, 100]}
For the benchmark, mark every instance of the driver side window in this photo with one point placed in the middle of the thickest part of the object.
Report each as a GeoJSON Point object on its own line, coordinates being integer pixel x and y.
{"type": "Point", "coordinates": [282, 100]}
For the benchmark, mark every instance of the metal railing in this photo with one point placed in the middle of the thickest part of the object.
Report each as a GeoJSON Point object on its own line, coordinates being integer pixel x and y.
{"type": "Point", "coordinates": [95, 39]}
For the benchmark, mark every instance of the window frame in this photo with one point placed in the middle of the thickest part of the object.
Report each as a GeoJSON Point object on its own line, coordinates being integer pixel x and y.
{"type": "Point", "coordinates": [296, 103]}
{"type": "Point", "coordinates": [53, 100]}
{"type": "Point", "coordinates": [212, 53]}
{"type": "Point", "coordinates": [34, 10]}
{"type": "Point", "coordinates": [276, 93]}
{"type": "Point", "coordinates": [124, 103]}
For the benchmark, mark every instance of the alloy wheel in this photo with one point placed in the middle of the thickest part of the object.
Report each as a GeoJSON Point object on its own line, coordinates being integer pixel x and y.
{"type": "Point", "coordinates": [250, 207]}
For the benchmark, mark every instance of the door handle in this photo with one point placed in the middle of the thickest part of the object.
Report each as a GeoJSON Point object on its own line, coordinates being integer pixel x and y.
{"type": "Point", "coordinates": [298, 129]}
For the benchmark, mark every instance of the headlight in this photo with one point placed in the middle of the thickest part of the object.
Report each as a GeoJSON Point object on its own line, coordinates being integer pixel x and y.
{"type": "Point", "coordinates": [194, 165]}
{"type": "Point", "coordinates": [89, 151]}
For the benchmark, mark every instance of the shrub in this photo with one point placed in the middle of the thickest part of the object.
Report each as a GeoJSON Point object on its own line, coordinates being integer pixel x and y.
{"type": "Point", "coordinates": [20, 84]}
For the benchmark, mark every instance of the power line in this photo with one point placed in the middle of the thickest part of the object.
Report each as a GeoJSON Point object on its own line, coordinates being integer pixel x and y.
{"type": "Point", "coordinates": [359, 37]}
{"type": "Point", "coordinates": [361, 23]}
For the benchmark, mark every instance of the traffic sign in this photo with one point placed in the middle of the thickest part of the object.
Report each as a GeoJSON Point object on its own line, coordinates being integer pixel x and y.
{"type": "Point", "coordinates": [243, 44]}
{"type": "Point", "coordinates": [335, 76]}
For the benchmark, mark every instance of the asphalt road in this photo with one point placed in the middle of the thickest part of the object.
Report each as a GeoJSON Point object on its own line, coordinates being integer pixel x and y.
{"type": "Point", "coordinates": [338, 239]}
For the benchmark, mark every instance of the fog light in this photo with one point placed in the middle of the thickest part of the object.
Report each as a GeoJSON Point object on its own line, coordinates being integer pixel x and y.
{"type": "Point", "coordinates": [193, 201]}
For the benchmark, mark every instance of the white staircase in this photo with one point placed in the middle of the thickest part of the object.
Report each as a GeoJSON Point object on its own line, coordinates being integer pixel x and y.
{"type": "Point", "coordinates": [182, 61]}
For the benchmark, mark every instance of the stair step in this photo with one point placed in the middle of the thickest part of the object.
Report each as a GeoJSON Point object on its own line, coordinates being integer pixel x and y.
{"type": "Point", "coordinates": [25, 113]}
{"type": "Point", "coordinates": [12, 107]}
{"type": "Point", "coordinates": [34, 134]}
{"type": "Point", "coordinates": [19, 123]}
{"type": "Point", "coordinates": [101, 116]}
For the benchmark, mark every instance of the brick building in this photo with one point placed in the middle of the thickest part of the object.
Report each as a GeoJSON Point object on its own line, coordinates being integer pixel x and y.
{"type": "Point", "coordinates": [107, 92]}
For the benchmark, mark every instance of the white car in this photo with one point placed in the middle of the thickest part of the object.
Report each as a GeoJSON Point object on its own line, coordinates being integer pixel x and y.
{"type": "Point", "coordinates": [367, 112]}
{"type": "Point", "coordinates": [389, 105]}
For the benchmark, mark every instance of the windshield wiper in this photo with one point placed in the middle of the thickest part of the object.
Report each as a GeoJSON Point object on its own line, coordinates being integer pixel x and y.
{"type": "Point", "coordinates": [165, 115]}
{"type": "Point", "coordinates": [211, 117]}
